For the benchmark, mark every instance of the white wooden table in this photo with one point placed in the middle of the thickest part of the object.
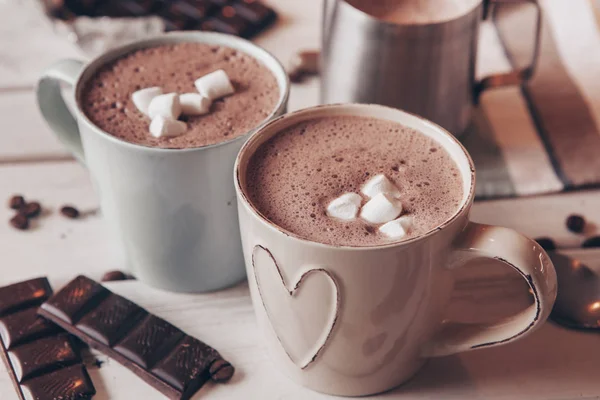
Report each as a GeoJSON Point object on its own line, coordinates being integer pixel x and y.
{"type": "Point", "coordinates": [553, 363]}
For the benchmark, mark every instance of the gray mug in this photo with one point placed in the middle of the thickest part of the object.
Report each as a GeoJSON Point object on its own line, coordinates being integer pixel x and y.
{"type": "Point", "coordinates": [427, 69]}
{"type": "Point", "coordinates": [172, 211]}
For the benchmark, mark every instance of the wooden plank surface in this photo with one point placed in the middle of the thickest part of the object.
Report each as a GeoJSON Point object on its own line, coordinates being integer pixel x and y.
{"type": "Point", "coordinates": [539, 216]}
{"type": "Point", "coordinates": [24, 133]}
{"type": "Point", "coordinates": [54, 246]}
{"type": "Point", "coordinates": [28, 43]}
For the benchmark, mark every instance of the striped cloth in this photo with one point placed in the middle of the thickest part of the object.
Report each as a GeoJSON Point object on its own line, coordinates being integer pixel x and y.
{"type": "Point", "coordinates": [542, 137]}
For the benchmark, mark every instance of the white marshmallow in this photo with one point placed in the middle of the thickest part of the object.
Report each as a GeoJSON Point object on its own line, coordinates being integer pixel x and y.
{"type": "Point", "coordinates": [214, 85]}
{"type": "Point", "coordinates": [166, 127]}
{"type": "Point", "coordinates": [379, 184]}
{"type": "Point", "coordinates": [194, 104]}
{"type": "Point", "coordinates": [165, 105]}
{"type": "Point", "coordinates": [344, 207]}
{"type": "Point", "coordinates": [381, 209]}
{"type": "Point", "coordinates": [142, 98]}
{"type": "Point", "coordinates": [397, 228]}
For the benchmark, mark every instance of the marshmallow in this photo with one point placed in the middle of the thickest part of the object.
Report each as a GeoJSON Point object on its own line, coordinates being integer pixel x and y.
{"type": "Point", "coordinates": [165, 105]}
{"type": "Point", "coordinates": [214, 85]}
{"type": "Point", "coordinates": [379, 184]}
{"type": "Point", "coordinates": [381, 209]}
{"type": "Point", "coordinates": [166, 127]}
{"type": "Point", "coordinates": [142, 98]}
{"type": "Point", "coordinates": [397, 228]}
{"type": "Point", "coordinates": [194, 104]}
{"type": "Point", "coordinates": [344, 207]}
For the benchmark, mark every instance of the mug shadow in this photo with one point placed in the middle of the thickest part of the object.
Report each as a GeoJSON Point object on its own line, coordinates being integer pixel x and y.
{"type": "Point", "coordinates": [534, 367]}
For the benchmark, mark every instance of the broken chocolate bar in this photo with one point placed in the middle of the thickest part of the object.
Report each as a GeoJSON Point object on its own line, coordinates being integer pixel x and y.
{"type": "Point", "coordinates": [243, 18]}
{"type": "Point", "coordinates": [166, 358]}
{"type": "Point", "coordinates": [41, 358]}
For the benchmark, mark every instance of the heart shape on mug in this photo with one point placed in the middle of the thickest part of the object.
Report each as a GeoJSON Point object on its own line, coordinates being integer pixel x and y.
{"type": "Point", "coordinates": [290, 306]}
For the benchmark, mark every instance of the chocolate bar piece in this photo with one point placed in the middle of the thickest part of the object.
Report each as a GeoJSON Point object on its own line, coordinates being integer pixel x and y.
{"type": "Point", "coordinates": [258, 14]}
{"type": "Point", "coordinates": [237, 17]}
{"type": "Point", "coordinates": [166, 358]}
{"type": "Point", "coordinates": [41, 358]}
{"type": "Point", "coordinates": [187, 13]}
{"type": "Point", "coordinates": [128, 8]}
{"type": "Point", "coordinates": [220, 2]}
{"type": "Point", "coordinates": [228, 21]}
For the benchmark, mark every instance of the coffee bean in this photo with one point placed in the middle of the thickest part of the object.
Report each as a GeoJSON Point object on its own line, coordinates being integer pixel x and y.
{"type": "Point", "coordinates": [69, 212]}
{"type": "Point", "coordinates": [593, 241]}
{"type": "Point", "coordinates": [116, 275]}
{"type": "Point", "coordinates": [16, 202]}
{"type": "Point", "coordinates": [296, 75]}
{"type": "Point", "coordinates": [546, 243]}
{"type": "Point", "coordinates": [303, 64]}
{"type": "Point", "coordinates": [31, 210]}
{"type": "Point", "coordinates": [221, 371]}
{"type": "Point", "coordinates": [20, 222]}
{"type": "Point", "coordinates": [575, 223]}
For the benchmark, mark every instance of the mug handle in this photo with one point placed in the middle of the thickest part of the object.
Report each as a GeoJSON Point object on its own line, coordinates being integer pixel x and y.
{"type": "Point", "coordinates": [520, 75]}
{"type": "Point", "coordinates": [53, 107]}
{"type": "Point", "coordinates": [528, 259]}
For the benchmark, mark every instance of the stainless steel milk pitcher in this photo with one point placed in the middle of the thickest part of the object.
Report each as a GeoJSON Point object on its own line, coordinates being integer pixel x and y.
{"type": "Point", "coordinates": [427, 69]}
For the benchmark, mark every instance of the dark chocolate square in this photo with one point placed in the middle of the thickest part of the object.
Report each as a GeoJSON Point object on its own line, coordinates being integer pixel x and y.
{"type": "Point", "coordinates": [24, 294]}
{"type": "Point", "coordinates": [83, 7]}
{"type": "Point", "coordinates": [41, 356]}
{"type": "Point", "coordinates": [220, 3]}
{"type": "Point", "coordinates": [190, 10]}
{"type": "Point", "coordinates": [73, 300]}
{"type": "Point", "coordinates": [254, 11]}
{"type": "Point", "coordinates": [24, 326]}
{"type": "Point", "coordinates": [151, 340]}
{"type": "Point", "coordinates": [187, 365]}
{"type": "Point", "coordinates": [229, 22]}
{"type": "Point", "coordinates": [128, 8]}
{"type": "Point", "coordinates": [111, 320]}
{"type": "Point", "coordinates": [71, 383]}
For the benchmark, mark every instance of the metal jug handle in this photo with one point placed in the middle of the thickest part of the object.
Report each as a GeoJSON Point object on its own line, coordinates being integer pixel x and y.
{"type": "Point", "coordinates": [520, 75]}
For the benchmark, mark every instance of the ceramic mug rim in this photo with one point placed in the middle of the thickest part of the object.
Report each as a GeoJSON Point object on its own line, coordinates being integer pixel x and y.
{"type": "Point", "coordinates": [263, 56]}
{"type": "Point", "coordinates": [272, 125]}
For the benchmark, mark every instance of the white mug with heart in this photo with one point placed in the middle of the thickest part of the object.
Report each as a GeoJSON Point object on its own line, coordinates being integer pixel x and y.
{"type": "Point", "coordinates": [360, 320]}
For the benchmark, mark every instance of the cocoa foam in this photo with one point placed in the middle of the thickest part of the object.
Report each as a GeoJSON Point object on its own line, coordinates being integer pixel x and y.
{"type": "Point", "coordinates": [106, 99]}
{"type": "Point", "coordinates": [294, 175]}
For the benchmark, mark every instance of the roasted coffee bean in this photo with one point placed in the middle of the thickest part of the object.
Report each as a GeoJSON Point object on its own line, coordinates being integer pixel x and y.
{"type": "Point", "coordinates": [575, 223]}
{"type": "Point", "coordinates": [307, 61]}
{"type": "Point", "coordinates": [16, 202]}
{"type": "Point", "coordinates": [221, 371]}
{"type": "Point", "coordinates": [116, 275]}
{"type": "Point", "coordinates": [20, 222]}
{"type": "Point", "coordinates": [296, 75]}
{"type": "Point", "coordinates": [593, 241]}
{"type": "Point", "coordinates": [69, 212]}
{"type": "Point", "coordinates": [303, 63]}
{"type": "Point", "coordinates": [546, 243]}
{"type": "Point", "coordinates": [31, 210]}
